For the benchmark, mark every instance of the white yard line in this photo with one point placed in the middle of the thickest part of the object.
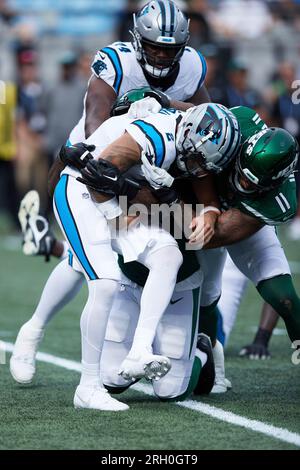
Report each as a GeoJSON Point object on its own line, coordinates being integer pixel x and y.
{"type": "Point", "coordinates": [217, 413]}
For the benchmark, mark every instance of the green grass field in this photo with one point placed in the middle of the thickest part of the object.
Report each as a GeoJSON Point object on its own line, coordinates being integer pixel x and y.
{"type": "Point", "coordinates": [41, 416]}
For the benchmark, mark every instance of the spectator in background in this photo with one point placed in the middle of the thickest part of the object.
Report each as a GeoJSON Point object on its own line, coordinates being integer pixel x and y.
{"type": "Point", "coordinates": [64, 103]}
{"type": "Point", "coordinates": [9, 199]}
{"type": "Point", "coordinates": [84, 66]}
{"type": "Point", "coordinates": [237, 92]}
{"type": "Point", "coordinates": [32, 167]}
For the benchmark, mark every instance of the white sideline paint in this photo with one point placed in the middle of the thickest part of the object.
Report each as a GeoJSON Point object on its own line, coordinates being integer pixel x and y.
{"type": "Point", "coordinates": [217, 413]}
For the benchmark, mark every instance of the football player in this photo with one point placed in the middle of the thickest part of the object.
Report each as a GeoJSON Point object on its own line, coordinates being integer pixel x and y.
{"type": "Point", "coordinates": [159, 134]}
{"type": "Point", "coordinates": [258, 192]}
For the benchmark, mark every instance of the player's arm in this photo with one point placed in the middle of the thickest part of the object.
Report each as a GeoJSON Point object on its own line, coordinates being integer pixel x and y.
{"type": "Point", "coordinates": [99, 101]}
{"type": "Point", "coordinates": [201, 96]}
{"type": "Point", "coordinates": [233, 226]}
{"type": "Point", "coordinates": [203, 226]}
{"type": "Point", "coordinates": [104, 174]}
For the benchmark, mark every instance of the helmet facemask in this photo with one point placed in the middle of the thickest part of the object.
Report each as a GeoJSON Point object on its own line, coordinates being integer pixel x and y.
{"type": "Point", "coordinates": [174, 44]}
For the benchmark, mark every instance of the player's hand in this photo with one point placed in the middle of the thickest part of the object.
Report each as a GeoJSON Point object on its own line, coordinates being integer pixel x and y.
{"type": "Point", "coordinates": [203, 227]}
{"type": "Point", "coordinates": [255, 351]}
{"type": "Point", "coordinates": [76, 156]}
{"type": "Point", "coordinates": [161, 97]}
{"type": "Point", "coordinates": [156, 177]}
{"type": "Point", "coordinates": [101, 176]}
{"type": "Point", "coordinates": [142, 108]}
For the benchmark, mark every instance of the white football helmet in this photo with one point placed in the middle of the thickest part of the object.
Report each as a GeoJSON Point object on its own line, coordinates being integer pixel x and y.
{"type": "Point", "coordinates": [160, 24]}
{"type": "Point", "coordinates": [207, 138]}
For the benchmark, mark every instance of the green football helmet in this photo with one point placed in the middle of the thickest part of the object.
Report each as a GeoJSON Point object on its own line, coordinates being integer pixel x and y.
{"type": "Point", "coordinates": [266, 159]}
{"type": "Point", "coordinates": [123, 103]}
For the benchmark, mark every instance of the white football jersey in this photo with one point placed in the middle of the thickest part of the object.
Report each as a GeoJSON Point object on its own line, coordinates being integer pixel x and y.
{"type": "Point", "coordinates": [118, 67]}
{"type": "Point", "coordinates": [155, 134]}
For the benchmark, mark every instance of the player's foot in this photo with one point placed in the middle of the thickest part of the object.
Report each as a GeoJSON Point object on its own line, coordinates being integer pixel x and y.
{"type": "Point", "coordinates": [37, 238]}
{"type": "Point", "coordinates": [97, 398]}
{"type": "Point", "coordinates": [144, 364]}
{"type": "Point", "coordinates": [221, 385]}
{"type": "Point", "coordinates": [22, 361]}
{"type": "Point", "coordinates": [207, 374]}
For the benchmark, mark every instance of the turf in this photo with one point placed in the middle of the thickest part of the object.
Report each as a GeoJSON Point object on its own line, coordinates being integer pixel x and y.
{"type": "Point", "coordinates": [42, 416]}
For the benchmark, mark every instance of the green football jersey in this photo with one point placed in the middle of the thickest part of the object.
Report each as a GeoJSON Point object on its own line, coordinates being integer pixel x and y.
{"type": "Point", "coordinates": [273, 207]}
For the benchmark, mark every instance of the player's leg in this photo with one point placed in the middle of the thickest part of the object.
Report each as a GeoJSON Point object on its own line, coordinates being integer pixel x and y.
{"type": "Point", "coordinates": [61, 287]}
{"type": "Point", "coordinates": [163, 259]}
{"type": "Point", "coordinates": [262, 259]}
{"type": "Point", "coordinates": [88, 234]}
{"type": "Point", "coordinates": [234, 284]}
{"type": "Point", "coordinates": [177, 338]}
{"type": "Point", "coordinates": [212, 262]}
{"type": "Point", "coordinates": [120, 329]}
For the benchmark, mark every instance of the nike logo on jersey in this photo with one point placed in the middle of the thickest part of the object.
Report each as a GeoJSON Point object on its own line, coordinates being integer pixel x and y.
{"type": "Point", "coordinates": [172, 302]}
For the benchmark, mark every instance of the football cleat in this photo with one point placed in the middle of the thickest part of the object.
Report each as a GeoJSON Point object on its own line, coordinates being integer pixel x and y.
{"type": "Point", "coordinates": [221, 385]}
{"type": "Point", "coordinates": [22, 361]}
{"type": "Point", "coordinates": [97, 398]}
{"type": "Point", "coordinates": [207, 375]}
{"type": "Point", "coordinates": [147, 365]}
{"type": "Point", "coordinates": [37, 237]}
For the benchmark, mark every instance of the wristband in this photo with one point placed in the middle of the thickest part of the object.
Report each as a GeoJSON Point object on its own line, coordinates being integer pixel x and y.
{"type": "Point", "coordinates": [210, 209]}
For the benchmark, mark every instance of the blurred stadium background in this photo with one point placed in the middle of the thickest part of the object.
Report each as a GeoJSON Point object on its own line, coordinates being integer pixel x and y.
{"type": "Point", "coordinates": [252, 50]}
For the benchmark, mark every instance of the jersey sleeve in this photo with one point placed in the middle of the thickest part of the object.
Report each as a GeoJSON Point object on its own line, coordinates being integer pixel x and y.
{"type": "Point", "coordinates": [250, 122]}
{"type": "Point", "coordinates": [107, 66]}
{"type": "Point", "coordinates": [149, 138]}
{"type": "Point", "coordinates": [276, 207]}
{"type": "Point", "coordinates": [194, 66]}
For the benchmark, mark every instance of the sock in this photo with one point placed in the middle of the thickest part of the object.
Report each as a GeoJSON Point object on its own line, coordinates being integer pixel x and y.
{"type": "Point", "coordinates": [208, 320]}
{"type": "Point", "coordinates": [280, 293]}
{"type": "Point", "coordinates": [163, 267]}
{"type": "Point", "coordinates": [90, 375]}
{"type": "Point", "coordinates": [94, 319]}
{"type": "Point", "coordinates": [60, 288]}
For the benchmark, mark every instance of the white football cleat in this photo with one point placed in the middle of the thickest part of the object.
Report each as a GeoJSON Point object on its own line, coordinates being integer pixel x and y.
{"type": "Point", "coordinates": [145, 364]}
{"type": "Point", "coordinates": [22, 361]}
{"type": "Point", "coordinates": [37, 238]}
{"type": "Point", "coordinates": [222, 385]}
{"type": "Point", "coordinates": [29, 207]}
{"type": "Point", "coordinates": [97, 398]}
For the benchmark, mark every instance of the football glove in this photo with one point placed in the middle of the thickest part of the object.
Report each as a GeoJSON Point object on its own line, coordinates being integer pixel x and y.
{"type": "Point", "coordinates": [156, 177]}
{"type": "Point", "coordinates": [255, 351]}
{"type": "Point", "coordinates": [259, 348]}
{"type": "Point", "coordinates": [104, 177]}
{"type": "Point", "coordinates": [76, 156]}
{"type": "Point", "coordinates": [142, 108]}
{"type": "Point", "coordinates": [161, 97]}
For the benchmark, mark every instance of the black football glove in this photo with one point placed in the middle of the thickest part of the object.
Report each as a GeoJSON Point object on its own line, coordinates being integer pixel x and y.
{"type": "Point", "coordinates": [255, 351]}
{"type": "Point", "coordinates": [166, 195]}
{"type": "Point", "coordinates": [259, 348]}
{"type": "Point", "coordinates": [76, 156]}
{"type": "Point", "coordinates": [104, 177]}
